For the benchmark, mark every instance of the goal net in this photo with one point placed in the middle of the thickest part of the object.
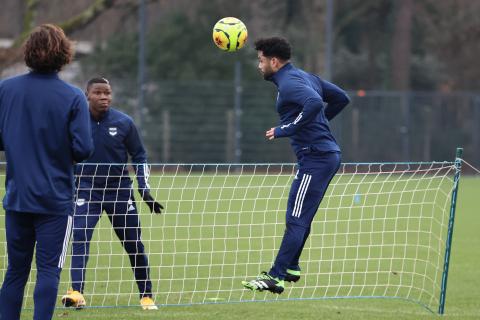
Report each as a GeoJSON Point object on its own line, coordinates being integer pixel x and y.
{"type": "Point", "coordinates": [380, 231]}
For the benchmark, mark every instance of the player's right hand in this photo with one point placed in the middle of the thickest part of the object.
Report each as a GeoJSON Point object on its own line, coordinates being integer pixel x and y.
{"type": "Point", "coordinates": [270, 134]}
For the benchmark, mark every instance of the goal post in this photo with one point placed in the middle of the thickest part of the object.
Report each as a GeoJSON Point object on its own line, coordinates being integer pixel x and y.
{"type": "Point", "coordinates": [451, 221]}
{"type": "Point", "coordinates": [383, 230]}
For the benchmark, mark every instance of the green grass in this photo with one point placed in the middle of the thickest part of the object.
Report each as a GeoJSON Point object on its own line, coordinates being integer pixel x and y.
{"type": "Point", "coordinates": [224, 239]}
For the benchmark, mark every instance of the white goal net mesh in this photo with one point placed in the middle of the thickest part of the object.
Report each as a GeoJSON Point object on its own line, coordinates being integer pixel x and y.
{"type": "Point", "coordinates": [380, 231]}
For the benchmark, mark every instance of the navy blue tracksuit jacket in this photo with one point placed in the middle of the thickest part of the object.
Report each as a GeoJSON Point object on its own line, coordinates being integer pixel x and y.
{"type": "Point", "coordinates": [115, 137]}
{"type": "Point", "coordinates": [44, 128]}
{"type": "Point", "coordinates": [305, 104]}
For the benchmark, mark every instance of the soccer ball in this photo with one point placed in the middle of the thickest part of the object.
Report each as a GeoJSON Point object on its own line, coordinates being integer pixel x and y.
{"type": "Point", "coordinates": [230, 34]}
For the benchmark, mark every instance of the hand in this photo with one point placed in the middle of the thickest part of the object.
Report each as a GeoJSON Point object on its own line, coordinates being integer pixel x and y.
{"type": "Point", "coordinates": [270, 134]}
{"type": "Point", "coordinates": [151, 203]}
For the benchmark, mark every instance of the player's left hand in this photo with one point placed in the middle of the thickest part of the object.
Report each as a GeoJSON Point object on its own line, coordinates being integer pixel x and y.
{"type": "Point", "coordinates": [270, 134]}
{"type": "Point", "coordinates": [154, 206]}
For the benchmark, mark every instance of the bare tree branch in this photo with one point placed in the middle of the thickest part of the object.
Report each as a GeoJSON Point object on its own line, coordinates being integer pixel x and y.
{"type": "Point", "coordinates": [87, 16]}
{"type": "Point", "coordinates": [28, 21]}
{"type": "Point", "coordinates": [30, 14]}
{"type": "Point", "coordinates": [13, 54]}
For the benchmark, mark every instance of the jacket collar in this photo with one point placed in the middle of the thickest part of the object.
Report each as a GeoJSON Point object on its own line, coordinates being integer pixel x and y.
{"type": "Point", "coordinates": [103, 118]}
{"type": "Point", "coordinates": [44, 74]}
{"type": "Point", "coordinates": [279, 74]}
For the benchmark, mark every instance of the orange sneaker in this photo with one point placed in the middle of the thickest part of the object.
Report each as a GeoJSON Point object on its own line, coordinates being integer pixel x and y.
{"type": "Point", "coordinates": [147, 303]}
{"type": "Point", "coordinates": [73, 299]}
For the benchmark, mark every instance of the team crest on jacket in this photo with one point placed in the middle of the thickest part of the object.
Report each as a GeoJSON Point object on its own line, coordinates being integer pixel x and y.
{"type": "Point", "coordinates": [130, 205]}
{"type": "Point", "coordinates": [112, 131]}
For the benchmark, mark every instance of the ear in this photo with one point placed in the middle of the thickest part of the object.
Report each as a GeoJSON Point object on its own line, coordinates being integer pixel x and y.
{"type": "Point", "coordinates": [275, 63]}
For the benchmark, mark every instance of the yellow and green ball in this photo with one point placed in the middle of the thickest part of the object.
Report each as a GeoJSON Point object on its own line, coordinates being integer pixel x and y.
{"type": "Point", "coordinates": [230, 34]}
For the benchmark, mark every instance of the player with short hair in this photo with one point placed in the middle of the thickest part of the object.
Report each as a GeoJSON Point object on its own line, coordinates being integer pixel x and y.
{"type": "Point", "coordinates": [305, 103]}
{"type": "Point", "coordinates": [104, 184]}
{"type": "Point", "coordinates": [44, 130]}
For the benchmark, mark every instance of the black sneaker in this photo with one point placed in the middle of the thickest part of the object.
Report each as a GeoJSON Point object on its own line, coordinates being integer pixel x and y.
{"type": "Point", "coordinates": [265, 282]}
{"type": "Point", "coordinates": [292, 275]}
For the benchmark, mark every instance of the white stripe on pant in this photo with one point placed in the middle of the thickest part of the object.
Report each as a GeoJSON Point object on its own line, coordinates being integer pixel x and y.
{"type": "Point", "coordinates": [302, 190]}
{"type": "Point", "coordinates": [66, 239]}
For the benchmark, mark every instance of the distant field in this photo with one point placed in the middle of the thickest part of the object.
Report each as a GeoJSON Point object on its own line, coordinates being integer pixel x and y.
{"type": "Point", "coordinates": [370, 238]}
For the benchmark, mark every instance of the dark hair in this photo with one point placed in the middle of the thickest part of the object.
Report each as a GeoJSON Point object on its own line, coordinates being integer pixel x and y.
{"type": "Point", "coordinates": [274, 47]}
{"type": "Point", "coordinates": [47, 49]}
{"type": "Point", "coordinates": [97, 80]}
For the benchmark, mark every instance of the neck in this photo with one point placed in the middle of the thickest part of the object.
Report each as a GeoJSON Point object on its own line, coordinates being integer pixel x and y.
{"type": "Point", "coordinates": [281, 65]}
{"type": "Point", "coordinates": [97, 115]}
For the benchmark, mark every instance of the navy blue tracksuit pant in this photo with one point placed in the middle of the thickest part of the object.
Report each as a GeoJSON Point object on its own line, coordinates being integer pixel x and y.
{"type": "Point", "coordinates": [315, 171]}
{"type": "Point", "coordinates": [122, 212]}
{"type": "Point", "coordinates": [47, 233]}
